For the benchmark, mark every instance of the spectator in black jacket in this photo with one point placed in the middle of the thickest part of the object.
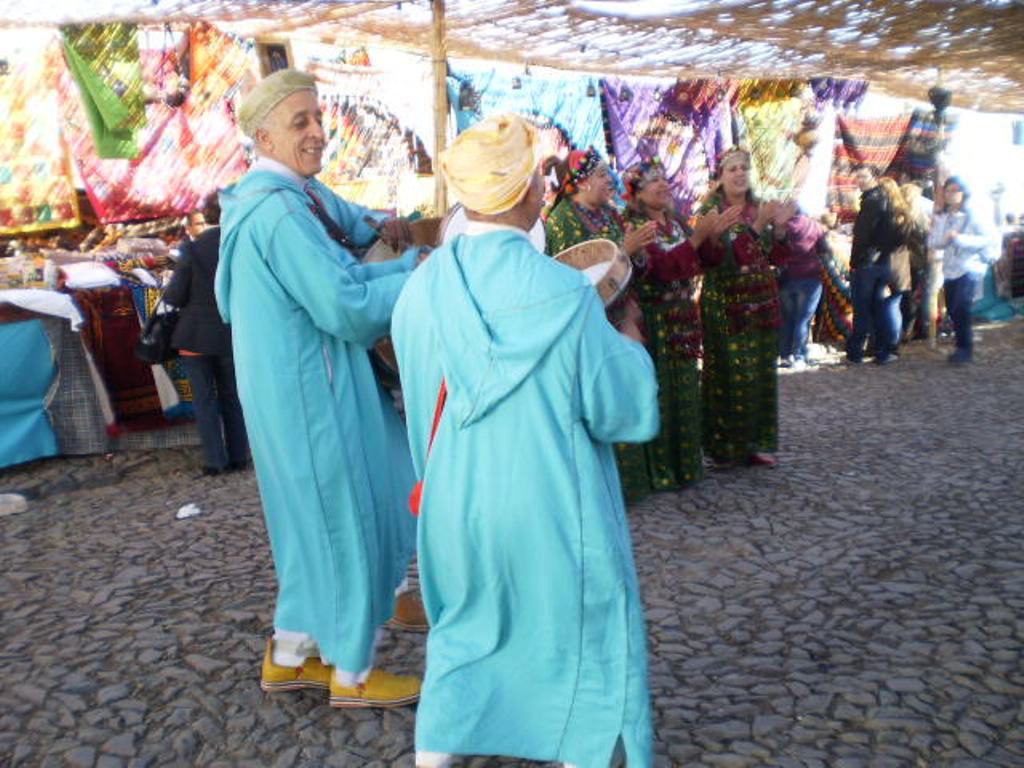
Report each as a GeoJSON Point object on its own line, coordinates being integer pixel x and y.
{"type": "Point", "coordinates": [204, 343]}
{"type": "Point", "coordinates": [875, 237]}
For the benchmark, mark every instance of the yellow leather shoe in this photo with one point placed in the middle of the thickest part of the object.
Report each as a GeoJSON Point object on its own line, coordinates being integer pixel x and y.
{"type": "Point", "coordinates": [313, 673]}
{"type": "Point", "coordinates": [381, 689]}
{"type": "Point", "coordinates": [409, 613]}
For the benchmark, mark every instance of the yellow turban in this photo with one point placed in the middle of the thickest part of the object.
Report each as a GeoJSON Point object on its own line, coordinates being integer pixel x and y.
{"type": "Point", "coordinates": [270, 92]}
{"type": "Point", "coordinates": [489, 167]}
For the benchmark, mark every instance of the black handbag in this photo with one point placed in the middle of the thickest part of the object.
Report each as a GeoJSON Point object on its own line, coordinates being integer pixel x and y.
{"type": "Point", "coordinates": [154, 344]}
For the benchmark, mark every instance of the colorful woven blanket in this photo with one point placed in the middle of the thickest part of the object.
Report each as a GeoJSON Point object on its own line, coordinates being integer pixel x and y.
{"type": "Point", "coordinates": [185, 152]}
{"type": "Point", "coordinates": [110, 336]}
{"type": "Point", "coordinates": [874, 142]}
{"type": "Point", "coordinates": [36, 187]}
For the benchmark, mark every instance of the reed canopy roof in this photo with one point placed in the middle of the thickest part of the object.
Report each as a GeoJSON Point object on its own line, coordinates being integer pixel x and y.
{"type": "Point", "coordinates": [976, 47]}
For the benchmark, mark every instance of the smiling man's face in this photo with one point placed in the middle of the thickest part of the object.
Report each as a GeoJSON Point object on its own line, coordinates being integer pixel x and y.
{"type": "Point", "coordinates": [293, 133]}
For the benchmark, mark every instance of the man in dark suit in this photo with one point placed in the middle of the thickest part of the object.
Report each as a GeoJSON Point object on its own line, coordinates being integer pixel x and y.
{"type": "Point", "coordinates": [204, 343]}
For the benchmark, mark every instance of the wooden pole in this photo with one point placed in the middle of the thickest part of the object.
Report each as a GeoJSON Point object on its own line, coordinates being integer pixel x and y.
{"type": "Point", "coordinates": [440, 58]}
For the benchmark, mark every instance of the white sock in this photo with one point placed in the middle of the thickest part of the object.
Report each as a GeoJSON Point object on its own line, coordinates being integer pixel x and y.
{"type": "Point", "coordinates": [433, 759]}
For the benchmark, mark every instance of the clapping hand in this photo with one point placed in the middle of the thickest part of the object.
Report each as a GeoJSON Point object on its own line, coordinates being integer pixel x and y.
{"type": "Point", "coordinates": [704, 227]}
{"type": "Point", "coordinates": [727, 219]}
{"type": "Point", "coordinates": [639, 237]}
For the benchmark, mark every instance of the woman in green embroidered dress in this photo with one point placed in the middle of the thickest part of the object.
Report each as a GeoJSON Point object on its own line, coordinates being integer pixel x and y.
{"type": "Point", "coordinates": [740, 316]}
{"type": "Point", "coordinates": [583, 211]}
{"type": "Point", "coordinates": [665, 285]}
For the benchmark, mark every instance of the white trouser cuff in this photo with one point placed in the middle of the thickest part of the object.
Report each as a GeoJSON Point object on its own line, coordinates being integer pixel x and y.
{"type": "Point", "coordinates": [433, 759]}
{"type": "Point", "coordinates": [347, 677]}
{"type": "Point", "coordinates": [351, 679]}
{"type": "Point", "coordinates": [291, 649]}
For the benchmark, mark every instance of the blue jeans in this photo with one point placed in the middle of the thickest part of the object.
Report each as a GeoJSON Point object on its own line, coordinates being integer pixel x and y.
{"type": "Point", "coordinates": [959, 300]}
{"type": "Point", "coordinates": [799, 301]}
{"type": "Point", "coordinates": [218, 411]}
{"type": "Point", "coordinates": [873, 312]}
{"type": "Point", "coordinates": [894, 321]}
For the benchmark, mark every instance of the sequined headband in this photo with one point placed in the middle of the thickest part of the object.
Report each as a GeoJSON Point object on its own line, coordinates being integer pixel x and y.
{"type": "Point", "coordinates": [641, 174]}
{"type": "Point", "coordinates": [726, 154]}
{"type": "Point", "coordinates": [582, 165]}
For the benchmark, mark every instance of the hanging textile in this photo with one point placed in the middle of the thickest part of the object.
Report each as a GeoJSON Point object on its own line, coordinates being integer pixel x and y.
{"type": "Point", "coordinates": [842, 94]}
{"type": "Point", "coordinates": [750, 93]}
{"type": "Point", "coordinates": [104, 60]}
{"type": "Point", "coordinates": [705, 104]}
{"type": "Point", "coordinates": [924, 140]}
{"type": "Point", "coordinates": [874, 142]}
{"type": "Point", "coordinates": [835, 313]}
{"type": "Point", "coordinates": [377, 153]}
{"type": "Point", "coordinates": [36, 187]}
{"type": "Point", "coordinates": [220, 65]}
{"type": "Point", "coordinates": [566, 108]}
{"type": "Point", "coordinates": [185, 152]}
{"type": "Point", "coordinates": [677, 122]}
{"type": "Point", "coordinates": [770, 129]}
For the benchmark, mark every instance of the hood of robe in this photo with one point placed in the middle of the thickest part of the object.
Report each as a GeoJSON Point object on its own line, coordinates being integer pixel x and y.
{"type": "Point", "coordinates": [506, 304]}
{"type": "Point", "coordinates": [238, 202]}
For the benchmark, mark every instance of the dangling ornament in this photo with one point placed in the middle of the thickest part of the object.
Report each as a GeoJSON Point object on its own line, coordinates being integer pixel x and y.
{"type": "Point", "coordinates": [807, 137]}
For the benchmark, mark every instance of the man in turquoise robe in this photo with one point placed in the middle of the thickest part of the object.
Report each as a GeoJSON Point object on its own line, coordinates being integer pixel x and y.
{"type": "Point", "coordinates": [328, 446]}
{"type": "Point", "coordinates": [537, 645]}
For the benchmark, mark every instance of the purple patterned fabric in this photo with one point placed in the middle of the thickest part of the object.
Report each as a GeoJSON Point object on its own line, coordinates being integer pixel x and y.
{"type": "Point", "coordinates": [678, 123]}
{"type": "Point", "coordinates": [842, 93]}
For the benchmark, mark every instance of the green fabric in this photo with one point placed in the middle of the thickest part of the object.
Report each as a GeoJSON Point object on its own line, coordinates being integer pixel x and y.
{"type": "Point", "coordinates": [674, 458]}
{"type": "Point", "coordinates": [104, 60]}
{"type": "Point", "coordinates": [564, 227]}
{"type": "Point", "coordinates": [740, 386]}
{"type": "Point", "coordinates": [739, 315]}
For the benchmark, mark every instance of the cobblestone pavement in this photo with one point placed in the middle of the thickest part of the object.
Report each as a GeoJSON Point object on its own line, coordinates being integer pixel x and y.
{"type": "Point", "coordinates": [862, 604]}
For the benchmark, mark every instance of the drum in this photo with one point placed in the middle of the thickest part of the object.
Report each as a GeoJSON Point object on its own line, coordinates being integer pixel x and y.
{"type": "Point", "coordinates": [385, 363]}
{"type": "Point", "coordinates": [455, 223]}
{"type": "Point", "coordinates": [604, 264]}
{"type": "Point", "coordinates": [426, 231]}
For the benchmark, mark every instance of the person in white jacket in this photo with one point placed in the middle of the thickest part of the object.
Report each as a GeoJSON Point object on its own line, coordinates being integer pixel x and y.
{"type": "Point", "coordinates": [968, 247]}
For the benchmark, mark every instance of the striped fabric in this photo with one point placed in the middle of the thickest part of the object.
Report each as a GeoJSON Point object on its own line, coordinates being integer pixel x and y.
{"type": "Point", "coordinates": [875, 142]}
{"type": "Point", "coordinates": [916, 157]}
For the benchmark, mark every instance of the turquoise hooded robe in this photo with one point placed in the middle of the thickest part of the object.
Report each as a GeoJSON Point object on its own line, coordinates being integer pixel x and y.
{"type": "Point", "coordinates": [329, 449]}
{"type": "Point", "coordinates": [537, 647]}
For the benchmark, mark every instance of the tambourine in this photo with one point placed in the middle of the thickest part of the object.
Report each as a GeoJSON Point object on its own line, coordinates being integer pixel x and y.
{"type": "Point", "coordinates": [604, 264]}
